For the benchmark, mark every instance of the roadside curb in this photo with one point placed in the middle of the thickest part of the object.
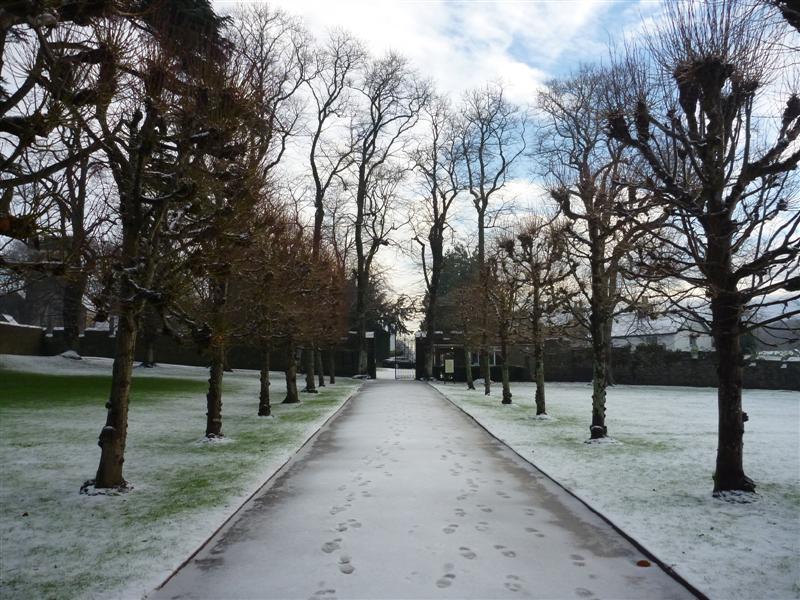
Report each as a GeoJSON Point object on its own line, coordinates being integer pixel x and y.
{"type": "Point", "coordinates": [270, 480]}
{"type": "Point", "coordinates": [638, 545]}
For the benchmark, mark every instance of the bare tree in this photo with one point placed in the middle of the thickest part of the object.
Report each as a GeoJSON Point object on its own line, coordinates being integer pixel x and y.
{"type": "Point", "coordinates": [493, 137]}
{"type": "Point", "coordinates": [506, 298]}
{"type": "Point", "coordinates": [47, 69]}
{"type": "Point", "coordinates": [723, 174]}
{"type": "Point", "coordinates": [585, 172]}
{"type": "Point", "coordinates": [438, 160]}
{"type": "Point", "coordinates": [146, 150]}
{"type": "Point", "coordinates": [391, 100]}
{"type": "Point", "coordinates": [331, 139]}
{"type": "Point", "coordinates": [541, 258]}
{"type": "Point", "coordinates": [332, 143]}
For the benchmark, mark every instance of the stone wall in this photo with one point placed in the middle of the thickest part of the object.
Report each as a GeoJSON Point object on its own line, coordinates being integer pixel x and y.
{"type": "Point", "coordinates": [655, 365]}
{"type": "Point", "coordinates": [20, 339]}
{"type": "Point", "coordinates": [644, 365]}
{"type": "Point", "coordinates": [30, 340]}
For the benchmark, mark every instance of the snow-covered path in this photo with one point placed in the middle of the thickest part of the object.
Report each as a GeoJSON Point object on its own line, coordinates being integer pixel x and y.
{"type": "Point", "coordinates": [403, 496]}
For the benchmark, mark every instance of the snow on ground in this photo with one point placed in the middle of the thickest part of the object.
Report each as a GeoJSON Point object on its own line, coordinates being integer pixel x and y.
{"type": "Point", "coordinates": [55, 542]}
{"type": "Point", "coordinates": [656, 482]}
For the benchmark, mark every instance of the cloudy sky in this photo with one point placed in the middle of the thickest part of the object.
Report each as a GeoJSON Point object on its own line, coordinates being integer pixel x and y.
{"type": "Point", "coordinates": [464, 44]}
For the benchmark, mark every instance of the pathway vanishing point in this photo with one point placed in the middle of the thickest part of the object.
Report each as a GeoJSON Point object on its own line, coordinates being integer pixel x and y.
{"type": "Point", "coordinates": [403, 496]}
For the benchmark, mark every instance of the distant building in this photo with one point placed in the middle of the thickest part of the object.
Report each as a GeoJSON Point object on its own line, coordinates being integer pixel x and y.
{"type": "Point", "coordinates": [672, 333]}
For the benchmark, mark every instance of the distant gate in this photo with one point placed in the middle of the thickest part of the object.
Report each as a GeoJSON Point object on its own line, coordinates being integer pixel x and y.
{"type": "Point", "coordinates": [404, 357]}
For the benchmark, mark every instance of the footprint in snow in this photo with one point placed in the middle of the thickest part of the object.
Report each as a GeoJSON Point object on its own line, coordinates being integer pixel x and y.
{"type": "Point", "coordinates": [329, 547]}
{"type": "Point", "coordinates": [467, 553]}
{"type": "Point", "coordinates": [451, 528]}
{"type": "Point", "coordinates": [345, 566]}
{"type": "Point", "coordinates": [512, 584]}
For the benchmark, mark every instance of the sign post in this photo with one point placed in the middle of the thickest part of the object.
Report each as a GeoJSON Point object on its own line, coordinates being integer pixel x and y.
{"type": "Point", "coordinates": [449, 368]}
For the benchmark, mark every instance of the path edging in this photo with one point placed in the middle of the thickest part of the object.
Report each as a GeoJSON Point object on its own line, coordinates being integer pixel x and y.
{"type": "Point", "coordinates": [271, 479]}
{"type": "Point", "coordinates": [636, 543]}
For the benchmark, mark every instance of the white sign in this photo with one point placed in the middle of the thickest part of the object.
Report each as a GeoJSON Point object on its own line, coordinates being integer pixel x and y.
{"type": "Point", "coordinates": [449, 366]}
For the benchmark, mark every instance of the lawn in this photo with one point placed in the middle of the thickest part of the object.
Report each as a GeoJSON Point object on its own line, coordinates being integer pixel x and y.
{"type": "Point", "coordinates": [56, 543]}
{"type": "Point", "coordinates": [655, 482]}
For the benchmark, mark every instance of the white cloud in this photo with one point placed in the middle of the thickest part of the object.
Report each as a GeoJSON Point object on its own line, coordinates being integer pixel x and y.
{"type": "Point", "coordinates": [460, 44]}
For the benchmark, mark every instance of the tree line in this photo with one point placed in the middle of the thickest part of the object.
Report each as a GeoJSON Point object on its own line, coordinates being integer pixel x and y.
{"type": "Point", "coordinates": [227, 177]}
{"type": "Point", "coordinates": [669, 176]}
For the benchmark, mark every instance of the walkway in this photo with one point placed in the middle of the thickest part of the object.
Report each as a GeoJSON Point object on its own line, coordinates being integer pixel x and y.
{"type": "Point", "coordinates": [403, 496]}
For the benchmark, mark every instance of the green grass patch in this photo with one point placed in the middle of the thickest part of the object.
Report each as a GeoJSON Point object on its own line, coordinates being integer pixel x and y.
{"type": "Point", "coordinates": [32, 390]}
{"type": "Point", "coordinates": [55, 541]}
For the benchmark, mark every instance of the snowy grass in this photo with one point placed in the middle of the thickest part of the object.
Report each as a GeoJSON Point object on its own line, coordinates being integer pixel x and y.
{"type": "Point", "coordinates": [56, 543]}
{"type": "Point", "coordinates": [656, 482]}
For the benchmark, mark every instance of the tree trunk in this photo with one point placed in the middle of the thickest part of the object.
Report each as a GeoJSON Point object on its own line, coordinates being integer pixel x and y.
{"type": "Point", "coordinates": [483, 358]}
{"type": "Point", "coordinates": [504, 371]}
{"type": "Point", "coordinates": [362, 270]}
{"type": "Point", "coordinates": [308, 366]}
{"type": "Point", "coordinates": [320, 367]}
{"type": "Point", "coordinates": [486, 370]}
{"type": "Point", "coordinates": [729, 475]}
{"type": "Point", "coordinates": [214, 395]}
{"type": "Point", "coordinates": [362, 347]}
{"type": "Point", "coordinates": [598, 323]}
{"type": "Point", "coordinates": [332, 365]}
{"type": "Point", "coordinates": [114, 434]}
{"type": "Point", "coordinates": [538, 347]}
{"type": "Point", "coordinates": [264, 408]}
{"type": "Point", "coordinates": [74, 288]}
{"type": "Point", "coordinates": [150, 325]}
{"type": "Point", "coordinates": [468, 369]}
{"type": "Point", "coordinates": [607, 337]}
{"type": "Point", "coordinates": [429, 351]}
{"type": "Point", "coordinates": [432, 309]}
{"type": "Point", "coordinates": [292, 397]}
{"type": "Point", "coordinates": [150, 354]}
{"type": "Point", "coordinates": [538, 368]}
{"type": "Point", "coordinates": [598, 428]}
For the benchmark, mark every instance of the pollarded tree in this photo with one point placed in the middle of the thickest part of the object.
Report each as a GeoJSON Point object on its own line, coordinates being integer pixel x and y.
{"type": "Point", "coordinates": [585, 172]}
{"type": "Point", "coordinates": [150, 64]}
{"type": "Point", "coordinates": [492, 139]}
{"type": "Point", "coordinates": [504, 283]}
{"type": "Point", "coordinates": [721, 158]}
{"type": "Point", "coordinates": [276, 288]}
{"type": "Point", "coordinates": [540, 253]}
{"type": "Point", "coordinates": [49, 68]}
